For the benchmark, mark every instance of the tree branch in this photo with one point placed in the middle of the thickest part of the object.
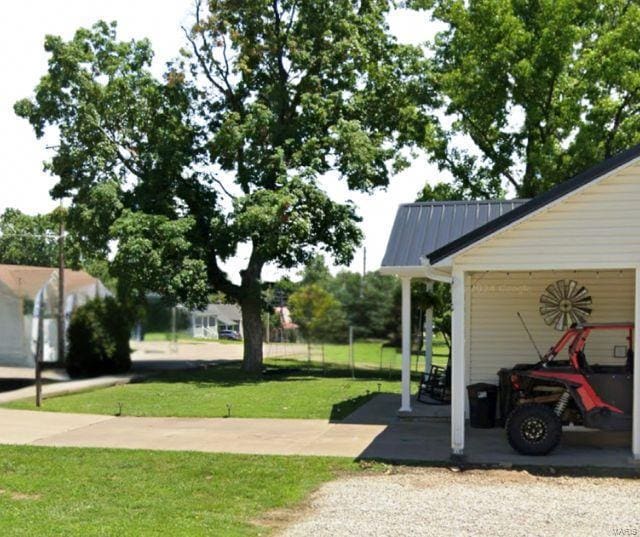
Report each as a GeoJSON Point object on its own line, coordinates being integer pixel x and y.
{"type": "Point", "coordinates": [480, 138]}
{"type": "Point", "coordinates": [221, 185]}
{"type": "Point", "coordinates": [220, 280]}
{"type": "Point", "coordinates": [617, 120]}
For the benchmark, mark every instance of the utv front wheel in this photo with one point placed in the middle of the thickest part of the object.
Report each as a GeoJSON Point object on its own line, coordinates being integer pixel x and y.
{"type": "Point", "coordinates": [533, 429]}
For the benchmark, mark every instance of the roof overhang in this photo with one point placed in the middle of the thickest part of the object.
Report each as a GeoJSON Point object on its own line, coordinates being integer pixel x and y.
{"type": "Point", "coordinates": [443, 257]}
{"type": "Point", "coordinates": [421, 271]}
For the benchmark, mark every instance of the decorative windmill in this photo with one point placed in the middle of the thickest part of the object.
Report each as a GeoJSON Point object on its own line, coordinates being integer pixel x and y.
{"type": "Point", "coordinates": [564, 303]}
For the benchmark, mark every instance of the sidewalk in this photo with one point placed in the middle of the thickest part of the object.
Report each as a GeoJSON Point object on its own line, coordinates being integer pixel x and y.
{"type": "Point", "coordinates": [67, 387]}
{"type": "Point", "coordinates": [396, 441]}
{"type": "Point", "coordinates": [215, 435]}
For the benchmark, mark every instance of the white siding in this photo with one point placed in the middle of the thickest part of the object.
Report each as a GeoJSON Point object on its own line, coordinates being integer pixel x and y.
{"type": "Point", "coordinates": [597, 226]}
{"type": "Point", "coordinates": [495, 336]}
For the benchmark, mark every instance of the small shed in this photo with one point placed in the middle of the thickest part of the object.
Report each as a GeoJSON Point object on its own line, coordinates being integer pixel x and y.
{"type": "Point", "coordinates": [500, 257]}
{"type": "Point", "coordinates": [209, 322]}
{"type": "Point", "coordinates": [22, 289]}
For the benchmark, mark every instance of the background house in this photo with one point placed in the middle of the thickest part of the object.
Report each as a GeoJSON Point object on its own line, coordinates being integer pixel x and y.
{"type": "Point", "coordinates": [216, 317]}
{"type": "Point", "coordinates": [22, 288]}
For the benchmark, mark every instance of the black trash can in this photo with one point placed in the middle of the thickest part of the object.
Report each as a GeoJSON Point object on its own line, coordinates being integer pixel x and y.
{"type": "Point", "coordinates": [482, 405]}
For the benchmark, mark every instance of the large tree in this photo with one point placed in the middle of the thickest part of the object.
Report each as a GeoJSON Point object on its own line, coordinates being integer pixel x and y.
{"type": "Point", "coordinates": [532, 92]}
{"type": "Point", "coordinates": [225, 151]}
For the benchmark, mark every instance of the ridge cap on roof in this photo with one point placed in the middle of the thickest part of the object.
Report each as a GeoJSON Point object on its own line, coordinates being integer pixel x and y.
{"type": "Point", "coordinates": [560, 190]}
{"type": "Point", "coordinates": [12, 266]}
{"type": "Point", "coordinates": [462, 202]}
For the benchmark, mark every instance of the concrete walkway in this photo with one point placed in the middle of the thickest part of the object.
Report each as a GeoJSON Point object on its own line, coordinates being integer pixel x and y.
{"type": "Point", "coordinates": [67, 387]}
{"type": "Point", "coordinates": [216, 435]}
{"type": "Point", "coordinates": [373, 431]}
{"type": "Point", "coordinates": [420, 441]}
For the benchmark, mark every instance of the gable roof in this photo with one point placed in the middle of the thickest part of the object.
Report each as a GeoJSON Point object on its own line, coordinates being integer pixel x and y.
{"type": "Point", "coordinates": [25, 281]}
{"type": "Point", "coordinates": [534, 204]}
{"type": "Point", "coordinates": [422, 227]}
{"type": "Point", "coordinates": [226, 313]}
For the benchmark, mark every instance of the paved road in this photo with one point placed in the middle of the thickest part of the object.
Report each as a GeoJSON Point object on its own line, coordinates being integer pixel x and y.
{"type": "Point", "coordinates": [207, 350]}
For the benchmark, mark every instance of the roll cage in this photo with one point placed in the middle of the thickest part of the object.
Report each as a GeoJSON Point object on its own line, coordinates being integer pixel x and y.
{"type": "Point", "coordinates": [576, 338]}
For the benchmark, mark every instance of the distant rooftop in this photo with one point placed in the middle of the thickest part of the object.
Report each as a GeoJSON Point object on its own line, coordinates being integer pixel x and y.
{"type": "Point", "coordinates": [423, 227]}
{"type": "Point", "coordinates": [226, 313]}
{"type": "Point", "coordinates": [25, 281]}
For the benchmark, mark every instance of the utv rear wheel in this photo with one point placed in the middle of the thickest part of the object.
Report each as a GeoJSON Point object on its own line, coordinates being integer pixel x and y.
{"type": "Point", "coordinates": [533, 429]}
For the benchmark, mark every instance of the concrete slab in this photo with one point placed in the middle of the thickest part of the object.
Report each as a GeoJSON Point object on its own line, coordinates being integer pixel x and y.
{"type": "Point", "coordinates": [219, 435]}
{"type": "Point", "coordinates": [383, 408]}
{"type": "Point", "coordinates": [63, 388]}
{"type": "Point", "coordinates": [429, 440]}
{"type": "Point", "coordinates": [395, 440]}
{"type": "Point", "coordinates": [28, 373]}
{"type": "Point", "coordinates": [27, 427]}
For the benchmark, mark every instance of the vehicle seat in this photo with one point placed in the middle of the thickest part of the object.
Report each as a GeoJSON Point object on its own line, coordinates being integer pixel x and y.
{"type": "Point", "coordinates": [582, 361]}
{"type": "Point", "coordinates": [629, 365]}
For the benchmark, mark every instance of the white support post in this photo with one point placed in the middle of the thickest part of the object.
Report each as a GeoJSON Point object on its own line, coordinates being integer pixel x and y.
{"type": "Point", "coordinates": [428, 334]}
{"type": "Point", "coordinates": [405, 405]}
{"type": "Point", "coordinates": [635, 434]}
{"type": "Point", "coordinates": [458, 390]}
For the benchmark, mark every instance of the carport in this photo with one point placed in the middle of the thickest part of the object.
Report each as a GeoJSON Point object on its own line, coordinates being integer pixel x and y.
{"type": "Point", "coordinates": [505, 257]}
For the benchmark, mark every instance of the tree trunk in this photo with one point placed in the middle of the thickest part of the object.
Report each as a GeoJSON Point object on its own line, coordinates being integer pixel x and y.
{"type": "Point", "coordinates": [252, 327]}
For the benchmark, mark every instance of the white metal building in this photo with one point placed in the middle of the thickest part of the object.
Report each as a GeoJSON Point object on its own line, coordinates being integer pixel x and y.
{"type": "Point", "coordinates": [502, 257]}
{"type": "Point", "coordinates": [21, 290]}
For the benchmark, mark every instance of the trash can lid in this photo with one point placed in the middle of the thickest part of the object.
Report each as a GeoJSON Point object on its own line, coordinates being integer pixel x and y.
{"type": "Point", "coordinates": [482, 385]}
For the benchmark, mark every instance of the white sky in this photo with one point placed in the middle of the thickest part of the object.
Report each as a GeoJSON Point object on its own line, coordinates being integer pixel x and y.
{"type": "Point", "coordinates": [23, 61]}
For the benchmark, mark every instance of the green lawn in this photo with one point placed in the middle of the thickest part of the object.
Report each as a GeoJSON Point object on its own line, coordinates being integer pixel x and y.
{"type": "Point", "coordinates": [289, 389]}
{"type": "Point", "coordinates": [372, 354]}
{"type": "Point", "coordinates": [98, 492]}
{"type": "Point", "coordinates": [365, 353]}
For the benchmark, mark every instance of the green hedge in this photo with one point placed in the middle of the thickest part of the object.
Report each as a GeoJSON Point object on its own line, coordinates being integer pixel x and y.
{"type": "Point", "coordinates": [98, 339]}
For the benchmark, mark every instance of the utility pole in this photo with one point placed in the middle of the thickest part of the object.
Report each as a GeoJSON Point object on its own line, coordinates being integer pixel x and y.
{"type": "Point", "coordinates": [39, 348]}
{"type": "Point", "coordinates": [61, 316]}
{"type": "Point", "coordinates": [364, 271]}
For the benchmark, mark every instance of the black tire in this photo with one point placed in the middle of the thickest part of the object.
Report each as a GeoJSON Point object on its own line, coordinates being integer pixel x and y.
{"type": "Point", "coordinates": [533, 429]}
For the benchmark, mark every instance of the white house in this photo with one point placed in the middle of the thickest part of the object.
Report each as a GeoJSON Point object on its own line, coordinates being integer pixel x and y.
{"type": "Point", "coordinates": [21, 289]}
{"type": "Point", "coordinates": [500, 259]}
{"type": "Point", "coordinates": [216, 317]}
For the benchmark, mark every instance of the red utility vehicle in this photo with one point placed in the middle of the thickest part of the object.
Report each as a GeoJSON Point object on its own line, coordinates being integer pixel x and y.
{"type": "Point", "coordinates": [552, 393]}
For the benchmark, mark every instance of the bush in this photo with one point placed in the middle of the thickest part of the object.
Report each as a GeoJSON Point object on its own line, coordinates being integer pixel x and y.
{"type": "Point", "coordinates": [98, 339]}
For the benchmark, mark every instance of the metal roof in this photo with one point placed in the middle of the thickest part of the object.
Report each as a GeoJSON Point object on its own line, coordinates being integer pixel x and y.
{"type": "Point", "coordinates": [525, 209]}
{"type": "Point", "coordinates": [423, 227]}
{"type": "Point", "coordinates": [25, 281]}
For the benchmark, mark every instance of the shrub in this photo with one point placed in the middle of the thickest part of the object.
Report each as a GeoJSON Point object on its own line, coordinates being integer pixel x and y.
{"type": "Point", "coordinates": [98, 339]}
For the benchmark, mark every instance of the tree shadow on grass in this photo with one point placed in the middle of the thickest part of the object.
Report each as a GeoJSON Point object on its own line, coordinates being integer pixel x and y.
{"type": "Point", "coordinates": [230, 374]}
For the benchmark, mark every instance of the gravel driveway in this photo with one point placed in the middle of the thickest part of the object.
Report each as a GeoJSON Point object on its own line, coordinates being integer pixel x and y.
{"type": "Point", "coordinates": [426, 502]}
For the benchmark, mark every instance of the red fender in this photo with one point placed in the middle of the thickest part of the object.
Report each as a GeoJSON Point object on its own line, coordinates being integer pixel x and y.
{"type": "Point", "coordinates": [587, 394]}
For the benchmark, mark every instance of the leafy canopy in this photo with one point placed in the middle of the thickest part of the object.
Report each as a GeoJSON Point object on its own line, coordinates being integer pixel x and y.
{"type": "Point", "coordinates": [226, 149]}
{"type": "Point", "coordinates": [531, 93]}
{"type": "Point", "coordinates": [33, 240]}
